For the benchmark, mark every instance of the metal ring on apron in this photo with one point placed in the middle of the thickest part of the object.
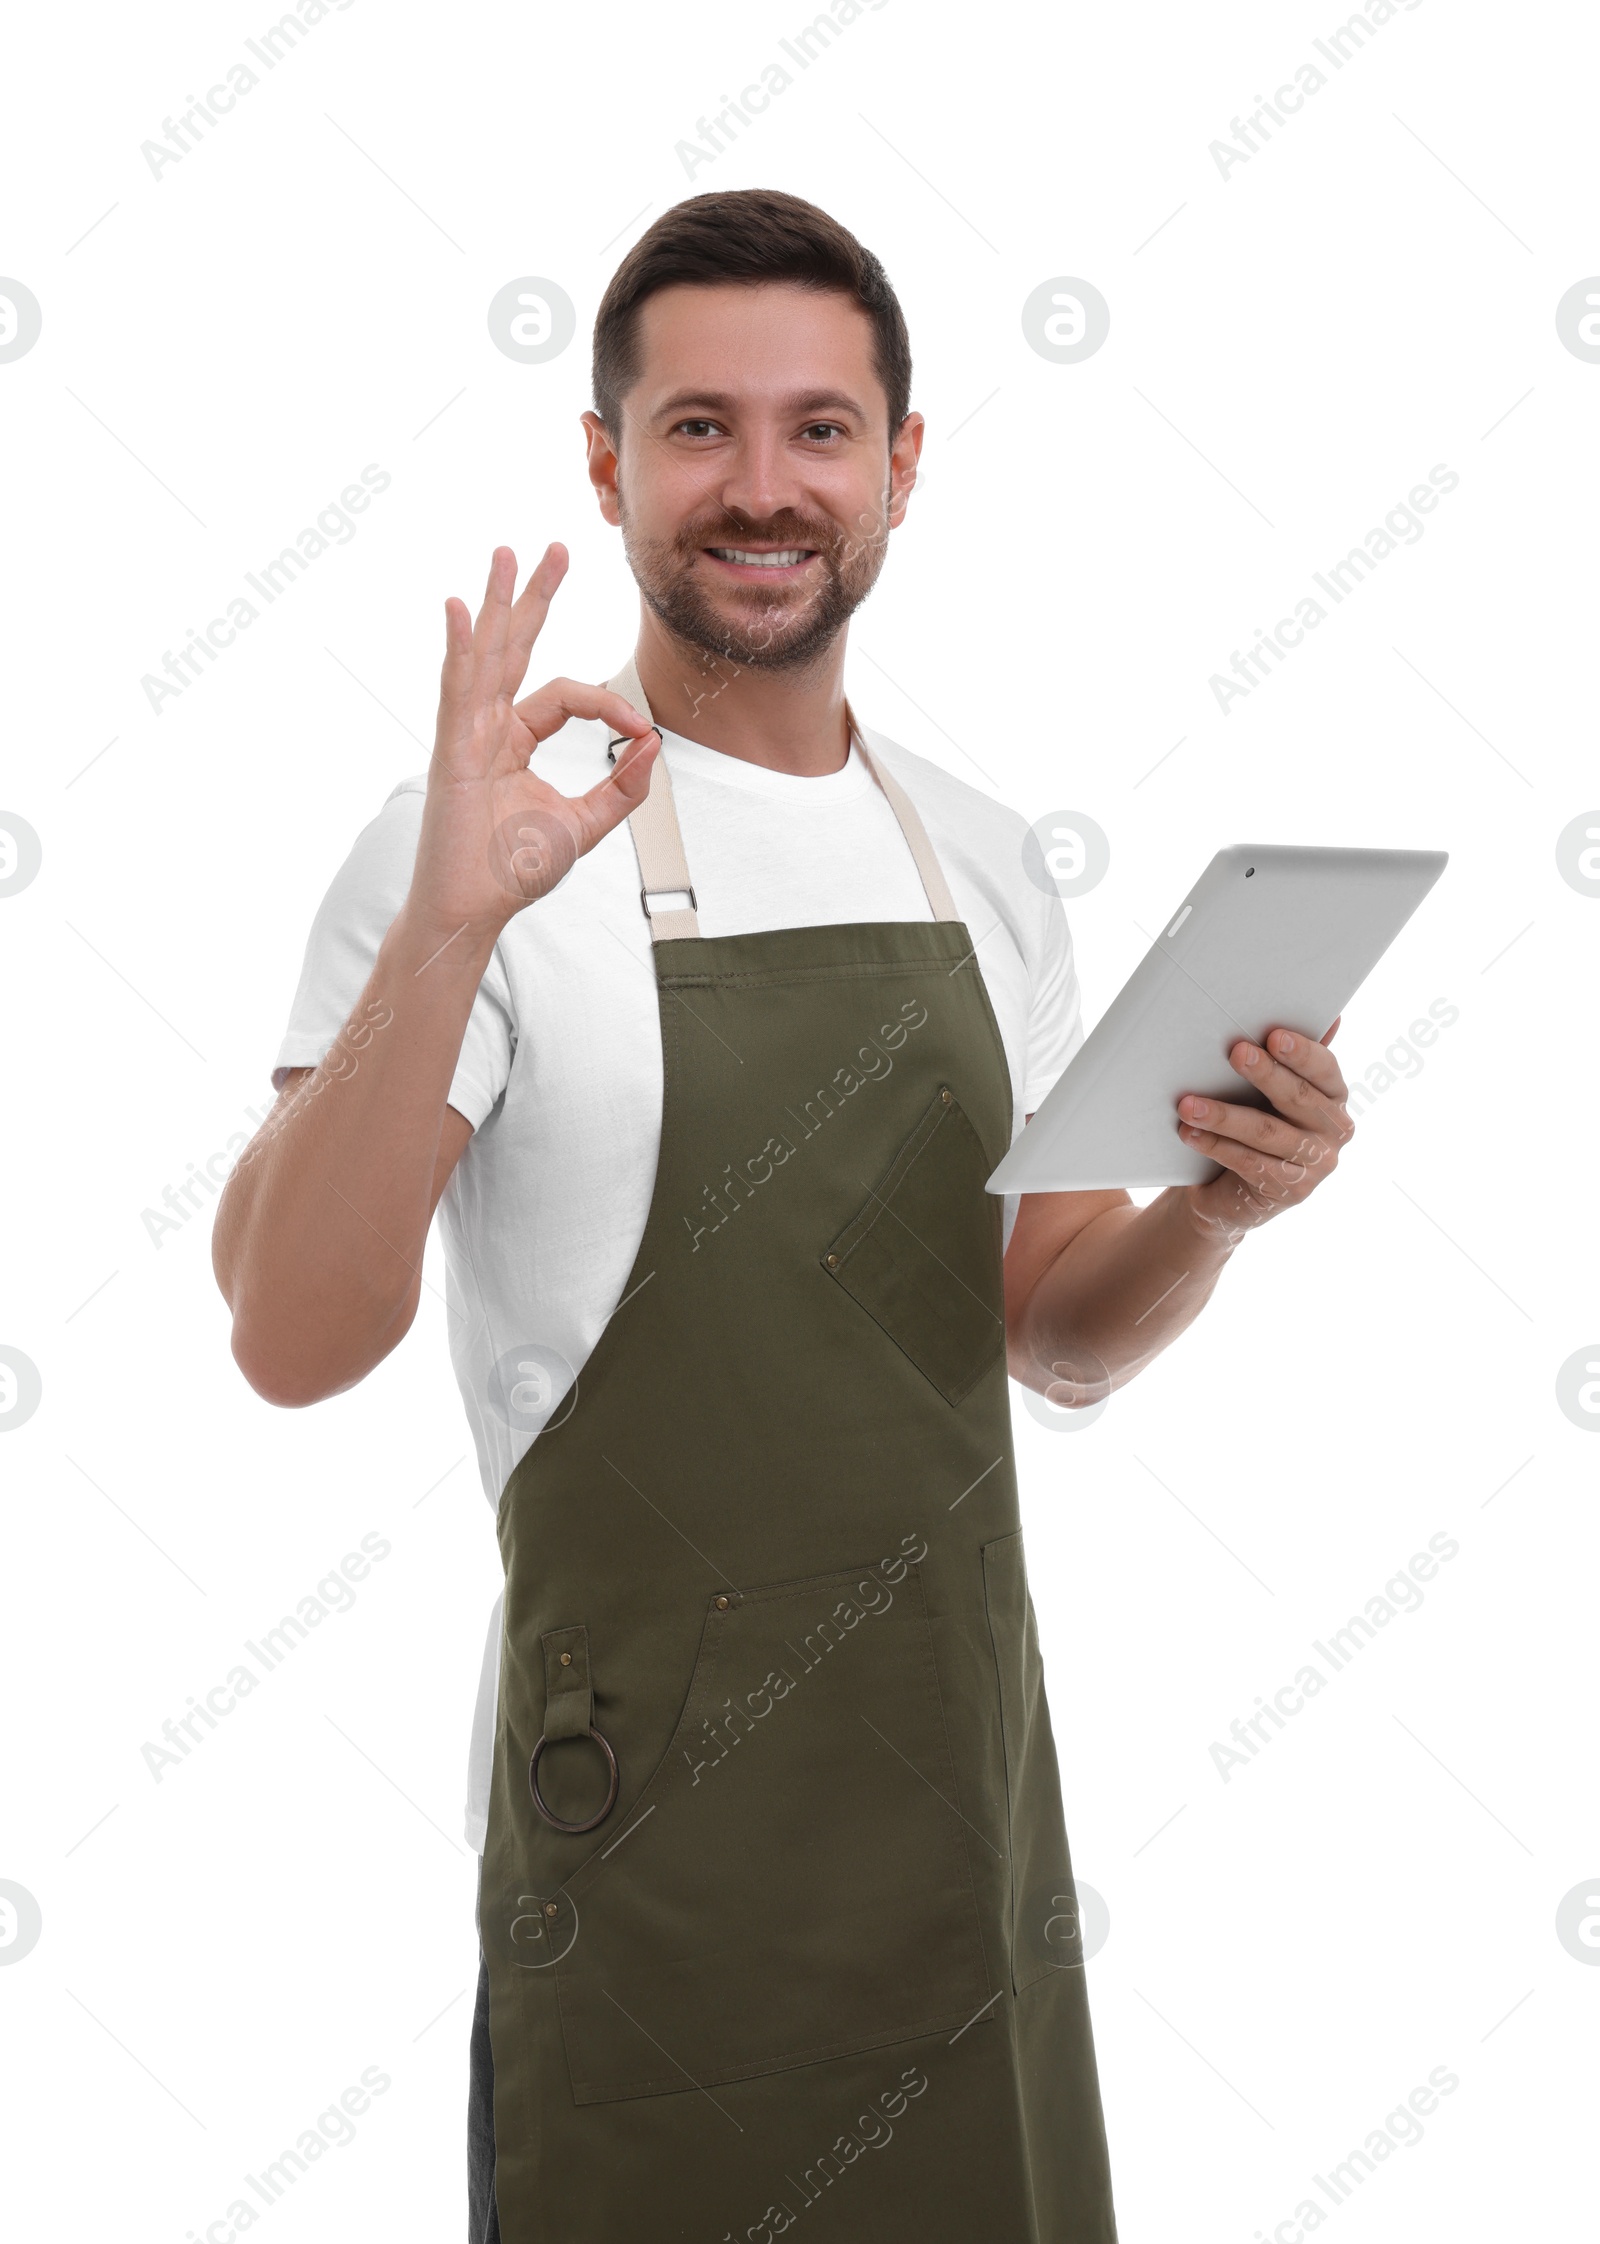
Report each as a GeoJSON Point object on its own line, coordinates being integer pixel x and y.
{"type": "Point", "coordinates": [560, 1823]}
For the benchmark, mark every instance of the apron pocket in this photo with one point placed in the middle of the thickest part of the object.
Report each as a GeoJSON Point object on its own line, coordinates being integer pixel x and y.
{"type": "Point", "coordinates": [792, 1883]}
{"type": "Point", "coordinates": [922, 1253]}
{"type": "Point", "coordinates": [1045, 1933]}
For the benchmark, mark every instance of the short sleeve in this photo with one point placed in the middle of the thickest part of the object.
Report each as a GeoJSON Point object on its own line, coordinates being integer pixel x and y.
{"type": "Point", "coordinates": [342, 948]}
{"type": "Point", "coordinates": [1055, 1012]}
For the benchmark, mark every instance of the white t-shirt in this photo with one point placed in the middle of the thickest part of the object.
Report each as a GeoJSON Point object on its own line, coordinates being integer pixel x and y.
{"type": "Point", "coordinates": [560, 1067]}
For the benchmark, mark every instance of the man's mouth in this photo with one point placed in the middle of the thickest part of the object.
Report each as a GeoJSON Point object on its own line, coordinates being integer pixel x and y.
{"type": "Point", "coordinates": [762, 558]}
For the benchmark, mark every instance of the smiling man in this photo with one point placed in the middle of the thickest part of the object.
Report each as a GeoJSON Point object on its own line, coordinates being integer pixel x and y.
{"type": "Point", "coordinates": [701, 1012]}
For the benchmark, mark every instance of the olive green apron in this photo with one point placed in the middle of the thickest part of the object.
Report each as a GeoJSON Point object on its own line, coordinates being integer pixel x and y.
{"type": "Point", "coordinates": [776, 1900]}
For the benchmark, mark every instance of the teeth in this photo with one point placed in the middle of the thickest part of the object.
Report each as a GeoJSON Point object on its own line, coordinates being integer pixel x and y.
{"type": "Point", "coordinates": [760, 560]}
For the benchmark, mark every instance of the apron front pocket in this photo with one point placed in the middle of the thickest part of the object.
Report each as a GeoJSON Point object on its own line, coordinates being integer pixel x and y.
{"type": "Point", "coordinates": [792, 1883]}
{"type": "Point", "coordinates": [922, 1253]}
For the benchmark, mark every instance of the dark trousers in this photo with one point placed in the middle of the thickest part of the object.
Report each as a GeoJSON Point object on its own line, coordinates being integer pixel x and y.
{"type": "Point", "coordinates": [483, 2221]}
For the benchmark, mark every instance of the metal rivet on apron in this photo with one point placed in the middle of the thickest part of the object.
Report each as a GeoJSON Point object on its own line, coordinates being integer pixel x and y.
{"type": "Point", "coordinates": [945, 1096]}
{"type": "Point", "coordinates": [566, 1659]}
{"type": "Point", "coordinates": [549, 1908]}
{"type": "Point", "coordinates": [833, 1262]}
{"type": "Point", "coordinates": [722, 1604]}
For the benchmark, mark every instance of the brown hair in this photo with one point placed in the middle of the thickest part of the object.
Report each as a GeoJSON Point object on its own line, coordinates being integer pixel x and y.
{"type": "Point", "coordinates": [752, 234]}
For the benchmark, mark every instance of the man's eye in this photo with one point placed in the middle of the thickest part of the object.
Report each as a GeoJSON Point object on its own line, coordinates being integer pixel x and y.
{"type": "Point", "coordinates": [824, 428]}
{"type": "Point", "coordinates": [698, 428]}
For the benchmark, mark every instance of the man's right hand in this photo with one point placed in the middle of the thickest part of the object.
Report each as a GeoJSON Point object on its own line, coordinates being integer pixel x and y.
{"type": "Point", "coordinates": [495, 837]}
{"type": "Point", "coordinates": [321, 1229]}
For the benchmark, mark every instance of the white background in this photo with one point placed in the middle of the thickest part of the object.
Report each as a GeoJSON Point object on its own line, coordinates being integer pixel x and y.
{"type": "Point", "coordinates": [1292, 348]}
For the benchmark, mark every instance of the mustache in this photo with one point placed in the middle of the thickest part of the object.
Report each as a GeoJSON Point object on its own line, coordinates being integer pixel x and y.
{"type": "Point", "coordinates": [785, 529]}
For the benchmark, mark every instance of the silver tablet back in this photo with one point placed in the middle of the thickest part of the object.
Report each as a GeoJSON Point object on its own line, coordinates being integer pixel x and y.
{"type": "Point", "coordinates": [1270, 936]}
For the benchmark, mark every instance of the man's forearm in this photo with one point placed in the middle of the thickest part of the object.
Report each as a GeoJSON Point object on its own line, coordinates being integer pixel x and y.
{"type": "Point", "coordinates": [1119, 1291]}
{"type": "Point", "coordinates": [320, 1232]}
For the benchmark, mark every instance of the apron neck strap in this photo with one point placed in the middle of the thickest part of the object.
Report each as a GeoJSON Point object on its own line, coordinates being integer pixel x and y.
{"type": "Point", "coordinates": [658, 839]}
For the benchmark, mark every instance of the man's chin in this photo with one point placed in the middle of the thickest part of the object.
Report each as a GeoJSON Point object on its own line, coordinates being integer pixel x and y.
{"type": "Point", "coordinates": [758, 632]}
{"type": "Point", "coordinates": [759, 648]}
{"type": "Point", "coordinates": [762, 623]}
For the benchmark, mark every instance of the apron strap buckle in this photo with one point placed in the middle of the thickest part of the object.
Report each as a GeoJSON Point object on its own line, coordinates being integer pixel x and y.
{"type": "Point", "coordinates": [687, 889]}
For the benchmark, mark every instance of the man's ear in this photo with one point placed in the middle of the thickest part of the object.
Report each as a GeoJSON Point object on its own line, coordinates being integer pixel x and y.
{"type": "Point", "coordinates": [602, 467]}
{"type": "Point", "coordinates": [904, 454]}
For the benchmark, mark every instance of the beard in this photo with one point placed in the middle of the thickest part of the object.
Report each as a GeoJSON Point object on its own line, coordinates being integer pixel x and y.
{"type": "Point", "coordinates": [782, 629]}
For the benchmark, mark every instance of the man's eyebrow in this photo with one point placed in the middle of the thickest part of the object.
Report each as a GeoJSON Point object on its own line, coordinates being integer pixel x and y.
{"type": "Point", "coordinates": [803, 401]}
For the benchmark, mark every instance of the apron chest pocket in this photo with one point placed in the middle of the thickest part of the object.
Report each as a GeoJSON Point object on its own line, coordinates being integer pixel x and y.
{"type": "Point", "coordinates": [792, 1883]}
{"type": "Point", "coordinates": [922, 1253]}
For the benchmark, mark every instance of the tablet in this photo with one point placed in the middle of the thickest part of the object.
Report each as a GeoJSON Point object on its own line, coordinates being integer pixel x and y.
{"type": "Point", "coordinates": [1270, 936]}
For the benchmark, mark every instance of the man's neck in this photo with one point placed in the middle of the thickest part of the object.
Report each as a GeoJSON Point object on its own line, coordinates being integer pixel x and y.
{"type": "Point", "coordinates": [786, 720]}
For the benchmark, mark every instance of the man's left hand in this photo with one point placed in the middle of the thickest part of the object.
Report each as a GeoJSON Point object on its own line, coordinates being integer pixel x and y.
{"type": "Point", "coordinates": [1270, 1161]}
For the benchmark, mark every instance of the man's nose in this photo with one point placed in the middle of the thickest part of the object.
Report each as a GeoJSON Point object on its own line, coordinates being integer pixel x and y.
{"type": "Point", "coordinates": [759, 480]}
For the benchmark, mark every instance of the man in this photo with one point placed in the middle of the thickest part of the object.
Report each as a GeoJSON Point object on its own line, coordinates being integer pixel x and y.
{"type": "Point", "coordinates": [775, 1872]}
